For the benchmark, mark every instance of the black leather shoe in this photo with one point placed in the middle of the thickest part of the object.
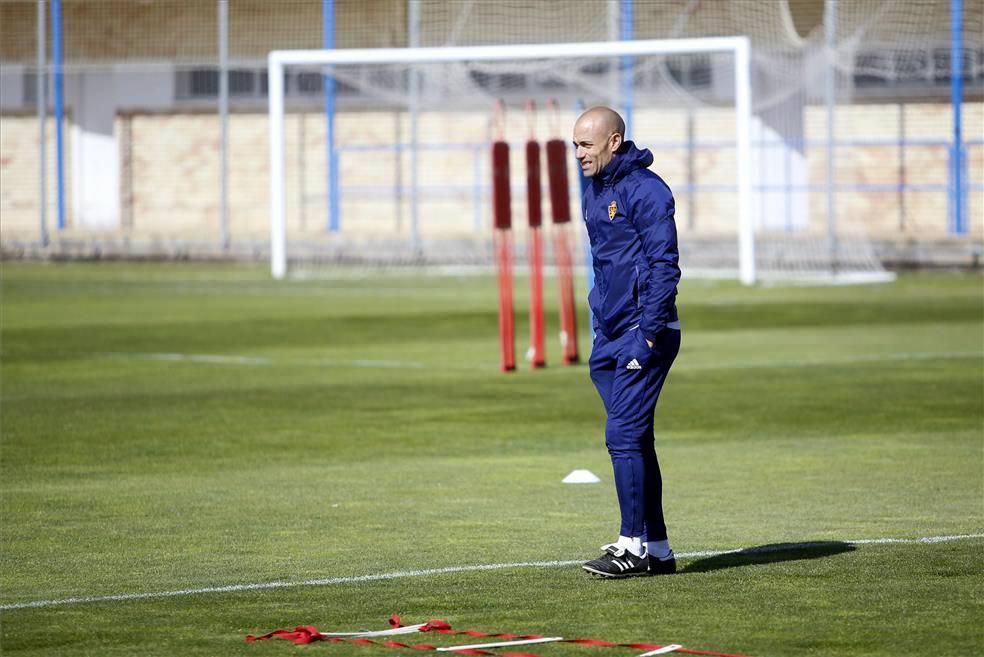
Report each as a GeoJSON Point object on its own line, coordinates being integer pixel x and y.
{"type": "Point", "coordinates": [617, 562]}
{"type": "Point", "coordinates": [662, 566]}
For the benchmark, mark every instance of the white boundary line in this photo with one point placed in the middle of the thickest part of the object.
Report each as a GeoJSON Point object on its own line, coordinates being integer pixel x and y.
{"type": "Point", "coordinates": [330, 581]}
{"type": "Point", "coordinates": [851, 360]}
{"type": "Point", "coordinates": [212, 359]}
{"type": "Point", "coordinates": [232, 359]}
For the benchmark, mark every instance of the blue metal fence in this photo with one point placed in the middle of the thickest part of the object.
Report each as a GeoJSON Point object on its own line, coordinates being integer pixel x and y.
{"type": "Point", "coordinates": [478, 188]}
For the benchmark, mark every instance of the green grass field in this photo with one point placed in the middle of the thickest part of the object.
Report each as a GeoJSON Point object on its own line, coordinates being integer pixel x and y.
{"type": "Point", "coordinates": [169, 428]}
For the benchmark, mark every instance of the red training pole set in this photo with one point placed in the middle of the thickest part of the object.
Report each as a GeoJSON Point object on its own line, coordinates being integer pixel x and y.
{"type": "Point", "coordinates": [537, 355]}
{"type": "Point", "coordinates": [502, 241]}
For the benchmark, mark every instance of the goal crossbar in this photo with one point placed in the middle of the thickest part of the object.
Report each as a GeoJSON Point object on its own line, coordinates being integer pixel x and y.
{"type": "Point", "coordinates": [739, 46]}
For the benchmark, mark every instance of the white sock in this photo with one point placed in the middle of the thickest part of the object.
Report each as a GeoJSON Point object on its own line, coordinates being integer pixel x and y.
{"type": "Point", "coordinates": [659, 549]}
{"type": "Point", "coordinates": [633, 544]}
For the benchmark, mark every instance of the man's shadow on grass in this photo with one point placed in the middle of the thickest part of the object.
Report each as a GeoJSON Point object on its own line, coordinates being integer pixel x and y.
{"type": "Point", "coordinates": [765, 554]}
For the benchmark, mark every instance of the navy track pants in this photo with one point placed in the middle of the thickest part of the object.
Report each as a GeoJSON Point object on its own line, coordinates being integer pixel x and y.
{"type": "Point", "coordinates": [630, 396]}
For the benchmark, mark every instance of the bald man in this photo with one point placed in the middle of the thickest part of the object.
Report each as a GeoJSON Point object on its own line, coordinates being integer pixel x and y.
{"type": "Point", "coordinates": [628, 210]}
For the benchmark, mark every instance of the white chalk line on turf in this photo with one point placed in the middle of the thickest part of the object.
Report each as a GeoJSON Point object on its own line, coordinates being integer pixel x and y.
{"type": "Point", "coordinates": [850, 360]}
{"type": "Point", "coordinates": [212, 359]}
{"type": "Point", "coordinates": [357, 579]}
{"type": "Point", "coordinates": [232, 359]}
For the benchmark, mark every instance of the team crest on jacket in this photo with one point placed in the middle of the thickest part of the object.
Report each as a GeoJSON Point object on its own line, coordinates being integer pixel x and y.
{"type": "Point", "coordinates": [612, 211]}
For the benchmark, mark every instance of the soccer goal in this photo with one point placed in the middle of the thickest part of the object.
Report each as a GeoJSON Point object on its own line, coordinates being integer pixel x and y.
{"type": "Point", "coordinates": [383, 156]}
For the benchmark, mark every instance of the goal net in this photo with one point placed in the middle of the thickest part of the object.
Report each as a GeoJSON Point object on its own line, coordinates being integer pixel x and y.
{"type": "Point", "coordinates": [397, 171]}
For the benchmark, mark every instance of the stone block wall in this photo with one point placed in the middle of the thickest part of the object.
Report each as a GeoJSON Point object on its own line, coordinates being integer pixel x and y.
{"type": "Point", "coordinates": [169, 165]}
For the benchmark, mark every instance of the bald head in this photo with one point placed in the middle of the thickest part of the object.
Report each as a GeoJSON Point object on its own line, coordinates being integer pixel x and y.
{"type": "Point", "coordinates": [605, 118]}
{"type": "Point", "coordinates": [598, 134]}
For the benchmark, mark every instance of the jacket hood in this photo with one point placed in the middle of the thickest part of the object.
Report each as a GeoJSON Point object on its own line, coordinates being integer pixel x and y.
{"type": "Point", "coordinates": [627, 159]}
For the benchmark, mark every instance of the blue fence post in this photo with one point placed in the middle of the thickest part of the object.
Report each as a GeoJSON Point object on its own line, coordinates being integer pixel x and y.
{"type": "Point", "coordinates": [328, 43]}
{"type": "Point", "coordinates": [628, 82]}
{"type": "Point", "coordinates": [59, 102]}
{"type": "Point", "coordinates": [958, 224]}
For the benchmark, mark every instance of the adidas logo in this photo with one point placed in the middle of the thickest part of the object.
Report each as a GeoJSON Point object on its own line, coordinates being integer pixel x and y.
{"type": "Point", "coordinates": [623, 564]}
{"type": "Point", "coordinates": [633, 365]}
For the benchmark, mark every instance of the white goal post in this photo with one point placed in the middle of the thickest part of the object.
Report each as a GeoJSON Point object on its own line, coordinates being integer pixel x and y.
{"type": "Point", "coordinates": [738, 47]}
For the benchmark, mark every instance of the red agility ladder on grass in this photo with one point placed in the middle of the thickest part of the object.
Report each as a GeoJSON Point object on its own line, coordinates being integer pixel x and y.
{"type": "Point", "coordinates": [309, 634]}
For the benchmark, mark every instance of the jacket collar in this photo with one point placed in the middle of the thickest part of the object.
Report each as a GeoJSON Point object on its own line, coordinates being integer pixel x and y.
{"type": "Point", "coordinates": [627, 159]}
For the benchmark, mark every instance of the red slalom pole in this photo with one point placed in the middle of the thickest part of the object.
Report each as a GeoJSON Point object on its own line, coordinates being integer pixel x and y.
{"type": "Point", "coordinates": [560, 202]}
{"type": "Point", "coordinates": [502, 243]}
{"type": "Point", "coordinates": [507, 331]}
{"type": "Point", "coordinates": [537, 355]}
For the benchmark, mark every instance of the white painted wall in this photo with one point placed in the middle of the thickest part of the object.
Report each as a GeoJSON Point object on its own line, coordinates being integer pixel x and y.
{"type": "Point", "coordinates": [778, 167]}
{"type": "Point", "coordinates": [95, 97]}
{"type": "Point", "coordinates": [94, 155]}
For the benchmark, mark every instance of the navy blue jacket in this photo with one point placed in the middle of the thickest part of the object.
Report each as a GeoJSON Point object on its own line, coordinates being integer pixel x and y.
{"type": "Point", "coordinates": [628, 210]}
